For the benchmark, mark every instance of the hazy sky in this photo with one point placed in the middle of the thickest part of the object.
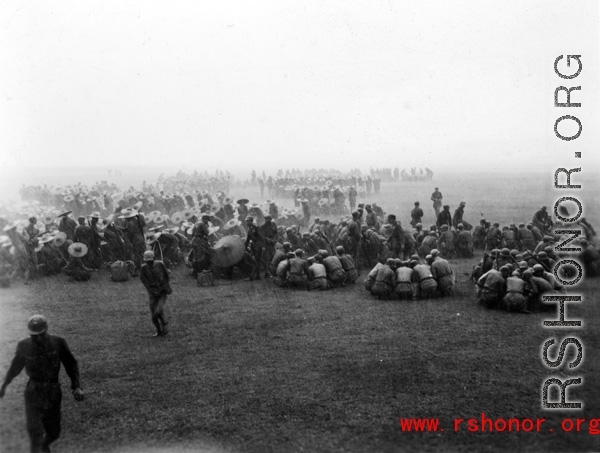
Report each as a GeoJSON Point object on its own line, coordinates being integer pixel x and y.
{"type": "Point", "coordinates": [269, 84]}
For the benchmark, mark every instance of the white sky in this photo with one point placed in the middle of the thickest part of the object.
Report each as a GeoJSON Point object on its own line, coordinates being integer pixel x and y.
{"type": "Point", "coordinates": [269, 84]}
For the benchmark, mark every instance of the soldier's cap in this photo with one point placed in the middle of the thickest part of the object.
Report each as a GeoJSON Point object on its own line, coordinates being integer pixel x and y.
{"type": "Point", "coordinates": [521, 225]}
{"type": "Point", "coordinates": [518, 257]}
{"type": "Point", "coordinates": [460, 226]}
{"type": "Point", "coordinates": [514, 252]}
{"type": "Point", "coordinates": [340, 249]}
{"type": "Point", "coordinates": [435, 252]}
{"type": "Point", "coordinates": [446, 206]}
{"type": "Point", "coordinates": [415, 257]}
{"type": "Point", "coordinates": [494, 252]}
{"type": "Point", "coordinates": [355, 213]}
{"type": "Point", "coordinates": [548, 249]}
{"type": "Point", "coordinates": [362, 205]}
{"type": "Point", "coordinates": [268, 217]}
{"type": "Point", "coordinates": [287, 245]}
{"type": "Point", "coordinates": [548, 239]}
{"type": "Point", "coordinates": [462, 203]}
{"type": "Point", "coordinates": [80, 218]}
{"type": "Point", "coordinates": [324, 253]}
{"type": "Point", "coordinates": [526, 254]}
{"type": "Point", "coordinates": [496, 224]}
{"type": "Point", "coordinates": [391, 217]}
{"type": "Point", "coordinates": [482, 221]}
{"type": "Point", "coordinates": [413, 262]}
{"type": "Point", "coordinates": [289, 230]}
{"type": "Point", "coordinates": [249, 219]}
{"type": "Point", "coordinates": [390, 262]}
{"type": "Point", "coordinates": [538, 268]}
{"type": "Point", "coordinates": [148, 255]}
{"type": "Point", "coordinates": [444, 227]}
{"type": "Point", "coordinates": [529, 224]}
{"type": "Point", "coordinates": [436, 188]}
{"type": "Point", "coordinates": [290, 255]}
{"type": "Point", "coordinates": [542, 255]}
{"type": "Point", "coordinates": [523, 265]}
{"type": "Point", "coordinates": [429, 257]}
{"type": "Point", "coordinates": [306, 234]}
{"type": "Point", "coordinates": [516, 274]}
{"type": "Point", "coordinates": [505, 268]}
{"type": "Point", "coordinates": [299, 252]}
{"type": "Point", "coordinates": [505, 252]}
{"type": "Point", "coordinates": [37, 324]}
{"type": "Point", "coordinates": [419, 225]}
{"type": "Point", "coordinates": [583, 241]}
{"type": "Point", "coordinates": [367, 206]}
{"type": "Point", "coordinates": [544, 208]}
{"type": "Point", "coordinates": [364, 227]}
{"type": "Point", "coordinates": [417, 203]}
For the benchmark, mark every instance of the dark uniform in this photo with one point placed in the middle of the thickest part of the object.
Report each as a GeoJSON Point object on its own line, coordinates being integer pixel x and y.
{"type": "Point", "coordinates": [41, 356]}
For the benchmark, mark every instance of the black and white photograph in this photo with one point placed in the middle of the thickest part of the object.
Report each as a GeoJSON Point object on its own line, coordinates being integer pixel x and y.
{"type": "Point", "coordinates": [299, 226]}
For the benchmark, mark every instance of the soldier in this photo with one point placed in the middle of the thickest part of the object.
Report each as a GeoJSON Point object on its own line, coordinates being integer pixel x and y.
{"type": "Point", "coordinates": [480, 234]}
{"type": "Point", "coordinates": [442, 273]}
{"type": "Point", "coordinates": [416, 215]}
{"type": "Point", "coordinates": [426, 284]}
{"type": "Point", "coordinates": [447, 242]}
{"type": "Point", "coordinates": [270, 232]}
{"type": "Point", "coordinates": [352, 193]}
{"type": "Point", "coordinates": [347, 264]}
{"type": "Point", "coordinates": [155, 278]}
{"type": "Point", "coordinates": [458, 214]}
{"type": "Point", "coordinates": [515, 299]}
{"type": "Point", "coordinates": [256, 243]}
{"type": "Point", "coordinates": [525, 238]}
{"type": "Point", "coordinates": [335, 271]}
{"type": "Point", "coordinates": [353, 235]}
{"type": "Point", "coordinates": [436, 197]}
{"type": "Point", "coordinates": [491, 286]}
{"type": "Point", "coordinates": [464, 242]}
{"type": "Point", "coordinates": [41, 355]}
{"type": "Point", "coordinates": [385, 280]}
{"type": "Point", "coordinates": [396, 238]}
{"type": "Point", "coordinates": [297, 271]}
{"type": "Point", "coordinates": [404, 280]}
{"type": "Point", "coordinates": [444, 217]}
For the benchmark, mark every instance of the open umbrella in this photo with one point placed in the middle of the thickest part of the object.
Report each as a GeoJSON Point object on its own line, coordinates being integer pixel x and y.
{"type": "Point", "coordinates": [228, 251]}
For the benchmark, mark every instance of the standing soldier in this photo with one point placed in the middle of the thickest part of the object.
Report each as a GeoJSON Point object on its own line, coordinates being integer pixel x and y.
{"type": "Point", "coordinates": [256, 243]}
{"type": "Point", "coordinates": [352, 193]}
{"type": "Point", "coordinates": [155, 277]}
{"type": "Point", "coordinates": [396, 239]}
{"type": "Point", "coordinates": [436, 197]}
{"type": "Point", "coordinates": [416, 215]}
{"type": "Point", "coordinates": [270, 232]}
{"type": "Point", "coordinates": [41, 356]}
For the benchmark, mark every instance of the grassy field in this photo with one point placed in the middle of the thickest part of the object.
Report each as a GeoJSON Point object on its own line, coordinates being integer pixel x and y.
{"type": "Point", "coordinates": [251, 367]}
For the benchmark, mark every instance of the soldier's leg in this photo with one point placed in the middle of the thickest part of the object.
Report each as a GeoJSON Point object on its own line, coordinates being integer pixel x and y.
{"type": "Point", "coordinates": [51, 418]}
{"type": "Point", "coordinates": [35, 424]}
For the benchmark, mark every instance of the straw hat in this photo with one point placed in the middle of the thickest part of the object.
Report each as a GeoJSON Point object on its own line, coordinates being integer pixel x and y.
{"type": "Point", "coordinates": [77, 249]}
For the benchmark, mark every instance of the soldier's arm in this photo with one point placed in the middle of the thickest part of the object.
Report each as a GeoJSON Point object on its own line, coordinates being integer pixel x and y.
{"type": "Point", "coordinates": [69, 362]}
{"type": "Point", "coordinates": [16, 366]}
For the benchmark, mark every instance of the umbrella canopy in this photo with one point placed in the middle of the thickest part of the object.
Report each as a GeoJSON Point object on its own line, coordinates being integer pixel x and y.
{"type": "Point", "coordinates": [228, 251]}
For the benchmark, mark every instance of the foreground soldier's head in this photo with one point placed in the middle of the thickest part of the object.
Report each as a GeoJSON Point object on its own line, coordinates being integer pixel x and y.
{"type": "Point", "coordinates": [38, 327]}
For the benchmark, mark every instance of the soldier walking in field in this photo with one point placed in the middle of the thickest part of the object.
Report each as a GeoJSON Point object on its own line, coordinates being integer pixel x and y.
{"type": "Point", "coordinates": [436, 197]}
{"type": "Point", "coordinates": [41, 355]}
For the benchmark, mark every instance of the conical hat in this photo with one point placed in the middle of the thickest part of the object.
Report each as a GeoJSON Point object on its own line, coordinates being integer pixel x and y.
{"type": "Point", "coordinates": [59, 239]}
{"type": "Point", "coordinates": [176, 217]}
{"type": "Point", "coordinates": [77, 249]}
